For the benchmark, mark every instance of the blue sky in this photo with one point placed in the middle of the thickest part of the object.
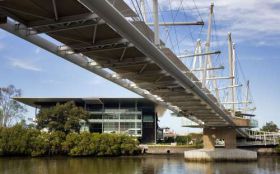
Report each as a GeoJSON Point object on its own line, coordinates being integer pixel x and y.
{"type": "Point", "coordinates": [254, 26]}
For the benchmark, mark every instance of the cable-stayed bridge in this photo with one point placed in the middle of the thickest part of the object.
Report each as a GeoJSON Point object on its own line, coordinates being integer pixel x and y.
{"type": "Point", "coordinates": [109, 39]}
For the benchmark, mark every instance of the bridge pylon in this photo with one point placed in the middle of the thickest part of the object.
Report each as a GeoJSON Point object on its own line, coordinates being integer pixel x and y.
{"type": "Point", "coordinates": [220, 144]}
{"type": "Point", "coordinates": [227, 135]}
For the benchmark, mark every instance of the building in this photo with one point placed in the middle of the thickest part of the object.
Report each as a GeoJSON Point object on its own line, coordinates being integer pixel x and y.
{"type": "Point", "coordinates": [165, 133]}
{"type": "Point", "coordinates": [133, 116]}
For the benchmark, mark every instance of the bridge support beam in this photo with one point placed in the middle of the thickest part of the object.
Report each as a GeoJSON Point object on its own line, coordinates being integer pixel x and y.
{"type": "Point", "coordinates": [210, 135]}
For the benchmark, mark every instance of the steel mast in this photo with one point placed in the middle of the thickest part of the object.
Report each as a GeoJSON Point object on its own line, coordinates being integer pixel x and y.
{"type": "Point", "coordinates": [156, 23]}
{"type": "Point", "coordinates": [231, 54]}
{"type": "Point", "coordinates": [207, 46]}
{"type": "Point", "coordinates": [143, 10]}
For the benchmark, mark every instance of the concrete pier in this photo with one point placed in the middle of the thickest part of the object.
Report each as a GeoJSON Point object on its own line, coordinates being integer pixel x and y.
{"type": "Point", "coordinates": [220, 154]}
{"type": "Point", "coordinates": [228, 153]}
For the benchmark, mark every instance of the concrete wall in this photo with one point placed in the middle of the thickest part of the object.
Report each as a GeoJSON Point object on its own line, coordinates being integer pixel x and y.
{"type": "Point", "coordinates": [166, 149]}
{"type": "Point", "coordinates": [220, 155]}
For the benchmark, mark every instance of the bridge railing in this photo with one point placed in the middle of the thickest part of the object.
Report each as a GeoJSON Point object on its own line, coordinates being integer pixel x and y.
{"type": "Point", "coordinates": [265, 137]}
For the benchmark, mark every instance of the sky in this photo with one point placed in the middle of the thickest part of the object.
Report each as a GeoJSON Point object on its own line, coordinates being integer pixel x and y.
{"type": "Point", "coordinates": [254, 25]}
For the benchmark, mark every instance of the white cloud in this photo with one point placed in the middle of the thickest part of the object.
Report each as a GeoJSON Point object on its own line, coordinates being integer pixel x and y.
{"type": "Point", "coordinates": [252, 21]}
{"type": "Point", "coordinates": [24, 64]}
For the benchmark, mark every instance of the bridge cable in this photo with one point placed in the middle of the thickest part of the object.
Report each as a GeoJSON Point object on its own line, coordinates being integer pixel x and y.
{"type": "Point", "coordinates": [168, 33]}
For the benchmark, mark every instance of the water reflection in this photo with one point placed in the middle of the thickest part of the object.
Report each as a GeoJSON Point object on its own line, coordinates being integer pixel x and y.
{"type": "Point", "coordinates": [133, 165]}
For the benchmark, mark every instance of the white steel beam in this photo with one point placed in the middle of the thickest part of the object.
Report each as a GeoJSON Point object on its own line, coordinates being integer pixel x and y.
{"type": "Point", "coordinates": [232, 71]}
{"type": "Point", "coordinates": [166, 24]}
{"type": "Point", "coordinates": [247, 96]}
{"type": "Point", "coordinates": [156, 22]}
{"type": "Point", "coordinates": [200, 54]}
{"type": "Point", "coordinates": [63, 20]}
{"type": "Point", "coordinates": [241, 102]}
{"type": "Point", "coordinates": [224, 88]}
{"type": "Point", "coordinates": [143, 10]}
{"type": "Point", "coordinates": [207, 45]}
{"type": "Point", "coordinates": [55, 9]}
{"type": "Point", "coordinates": [214, 68]}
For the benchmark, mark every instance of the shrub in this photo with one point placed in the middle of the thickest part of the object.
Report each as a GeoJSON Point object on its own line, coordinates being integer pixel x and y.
{"type": "Point", "coordinates": [182, 140]}
{"type": "Point", "coordinates": [55, 140]}
{"type": "Point", "coordinates": [94, 144]}
{"type": "Point", "coordinates": [18, 140]}
{"type": "Point", "coordinates": [40, 145]}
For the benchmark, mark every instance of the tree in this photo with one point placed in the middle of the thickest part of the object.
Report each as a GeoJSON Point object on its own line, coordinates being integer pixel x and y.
{"type": "Point", "coordinates": [62, 117]}
{"type": "Point", "coordinates": [10, 110]}
{"type": "Point", "coordinates": [270, 127]}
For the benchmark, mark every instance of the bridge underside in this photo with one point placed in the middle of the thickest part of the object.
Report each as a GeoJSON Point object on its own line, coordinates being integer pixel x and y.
{"type": "Point", "coordinates": [107, 38]}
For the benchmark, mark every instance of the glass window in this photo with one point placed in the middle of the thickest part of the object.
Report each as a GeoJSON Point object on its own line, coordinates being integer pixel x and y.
{"type": "Point", "coordinates": [128, 106]}
{"type": "Point", "coordinates": [113, 105]}
{"type": "Point", "coordinates": [125, 116]}
{"type": "Point", "coordinates": [110, 116]}
{"type": "Point", "coordinates": [94, 107]}
{"type": "Point", "coordinates": [139, 125]}
{"type": "Point", "coordinates": [111, 127]}
{"type": "Point", "coordinates": [139, 116]}
{"type": "Point", "coordinates": [126, 126]}
{"type": "Point", "coordinates": [148, 118]}
{"type": "Point", "coordinates": [139, 132]}
{"type": "Point", "coordinates": [95, 116]}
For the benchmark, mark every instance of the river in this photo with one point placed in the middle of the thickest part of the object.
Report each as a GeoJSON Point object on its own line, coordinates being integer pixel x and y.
{"type": "Point", "coordinates": [159, 164]}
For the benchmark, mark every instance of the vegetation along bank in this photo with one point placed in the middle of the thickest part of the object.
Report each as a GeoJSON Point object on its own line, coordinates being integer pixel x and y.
{"type": "Point", "coordinates": [21, 141]}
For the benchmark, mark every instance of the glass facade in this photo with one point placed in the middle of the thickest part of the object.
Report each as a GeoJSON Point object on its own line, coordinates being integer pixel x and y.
{"type": "Point", "coordinates": [116, 117]}
{"type": "Point", "coordinates": [134, 116]}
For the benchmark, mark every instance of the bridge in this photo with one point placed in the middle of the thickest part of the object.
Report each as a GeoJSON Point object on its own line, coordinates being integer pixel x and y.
{"type": "Point", "coordinates": [108, 38]}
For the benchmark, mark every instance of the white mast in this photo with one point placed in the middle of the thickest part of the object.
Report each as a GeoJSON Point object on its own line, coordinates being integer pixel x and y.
{"type": "Point", "coordinates": [197, 59]}
{"type": "Point", "coordinates": [247, 96]}
{"type": "Point", "coordinates": [200, 59]}
{"type": "Point", "coordinates": [207, 46]}
{"type": "Point", "coordinates": [156, 22]}
{"type": "Point", "coordinates": [231, 54]}
{"type": "Point", "coordinates": [208, 61]}
{"type": "Point", "coordinates": [143, 10]}
{"type": "Point", "coordinates": [195, 55]}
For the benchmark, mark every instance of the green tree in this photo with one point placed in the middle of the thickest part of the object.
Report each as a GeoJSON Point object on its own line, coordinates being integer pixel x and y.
{"type": "Point", "coordinates": [182, 140]}
{"type": "Point", "coordinates": [62, 117]}
{"type": "Point", "coordinates": [270, 127]}
{"type": "Point", "coordinates": [11, 110]}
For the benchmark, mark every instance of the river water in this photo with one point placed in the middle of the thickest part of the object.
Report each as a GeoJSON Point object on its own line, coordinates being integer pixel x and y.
{"type": "Point", "coordinates": [159, 164]}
